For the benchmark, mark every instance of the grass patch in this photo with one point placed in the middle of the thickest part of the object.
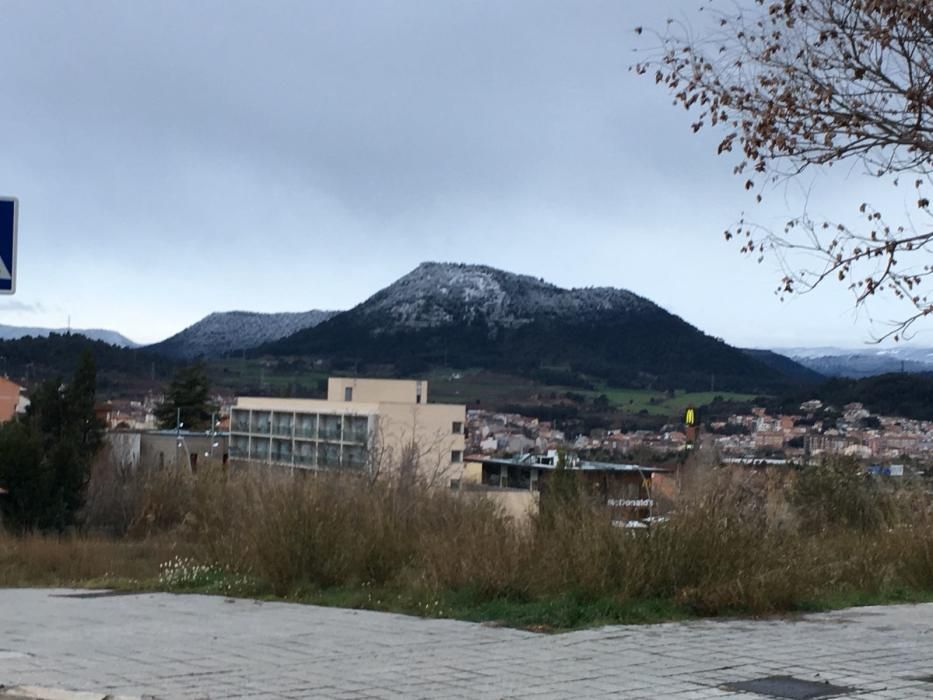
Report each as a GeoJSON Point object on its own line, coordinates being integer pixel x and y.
{"type": "Point", "coordinates": [484, 389]}
{"type": "Point", "coordinates": [663, 404]}
{"type": "Point", "coordinates": [736, 542]}
{"type": "Point", "coordinates": [266, 376]}
{"type": "Point", "coordinates": [549, 614]}
{"type": "Point", "coordinates": [121, 565]}
{"type": "Point", "coordinates": [857, 599]}
{"type": "Point", "coordinates": [556, 613]}
{"type": "Point", "coordinates": [560, 612]}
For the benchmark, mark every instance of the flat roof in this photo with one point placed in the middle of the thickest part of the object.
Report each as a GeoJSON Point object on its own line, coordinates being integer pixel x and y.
{"type": "Point", "coordinates": [171, 432]}
{"type": "Point", "coordinates": [583, 465]}
{"type": "Point", "coordinates": [269, 403]}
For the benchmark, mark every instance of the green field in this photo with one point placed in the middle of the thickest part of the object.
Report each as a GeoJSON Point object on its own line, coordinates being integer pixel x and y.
{"type": "Point", "coordinates": [275, 378]}
{"type": "Point", "coordinates": [468, 386]}
{"type": "Point", "coordinates": [661, 403]}
{"type": "Point", "coordinates": [474, 387]}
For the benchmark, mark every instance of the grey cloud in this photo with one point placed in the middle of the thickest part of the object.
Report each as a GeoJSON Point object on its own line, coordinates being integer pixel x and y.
{"type": "Point", "coordinates": [14, 305]}
{"type": "Point", "coordinates": [176, 158]}
{"type": "Point", "coordinates": [383, 104]}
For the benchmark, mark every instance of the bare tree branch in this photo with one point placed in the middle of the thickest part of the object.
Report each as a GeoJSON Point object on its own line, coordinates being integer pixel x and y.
{"type": "Point", "coordinates": [802, 84]}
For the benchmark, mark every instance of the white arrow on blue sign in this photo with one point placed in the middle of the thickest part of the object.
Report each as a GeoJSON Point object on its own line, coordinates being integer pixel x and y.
{"type": "Point", "coordinates": [9, 213]}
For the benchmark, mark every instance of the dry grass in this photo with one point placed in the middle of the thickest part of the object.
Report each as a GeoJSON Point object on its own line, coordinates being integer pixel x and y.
{"type": "Point", "coordinates": [44, 560]}
{"type": "Point", "coordinates": [745, 543]}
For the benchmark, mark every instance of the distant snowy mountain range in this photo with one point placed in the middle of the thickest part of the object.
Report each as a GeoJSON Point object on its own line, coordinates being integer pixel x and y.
{"type": "Point", "coordinates": [862, 362]}
{"type": "Point", "coordinates": [481, 316]}
{"type": "Point", "coordinates": [112, 337]}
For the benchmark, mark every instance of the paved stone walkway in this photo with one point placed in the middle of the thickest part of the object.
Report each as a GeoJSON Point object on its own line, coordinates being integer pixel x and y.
{"type": "Point", "coordinates": [209, 647]}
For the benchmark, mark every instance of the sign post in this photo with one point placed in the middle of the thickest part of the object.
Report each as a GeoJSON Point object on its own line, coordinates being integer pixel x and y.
{"type": "Point", "coordinates": [9, 213]}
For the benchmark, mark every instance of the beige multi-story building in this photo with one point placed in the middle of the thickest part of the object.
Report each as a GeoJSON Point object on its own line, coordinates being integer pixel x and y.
{"type": "Point", "coordinates": [363, 425]}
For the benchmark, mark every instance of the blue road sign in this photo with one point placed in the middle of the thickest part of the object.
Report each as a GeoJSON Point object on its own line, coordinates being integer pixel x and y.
{"type": "Point", "coordinates": [9, 210]}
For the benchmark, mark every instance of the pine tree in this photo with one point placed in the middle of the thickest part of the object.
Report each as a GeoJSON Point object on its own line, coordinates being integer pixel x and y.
{"type": "Point", "coordinates": [23, 476]}
{"type": "Point", "coordinates": [188, 392]}
{"type": "Point", "coordinates": [45, 458]}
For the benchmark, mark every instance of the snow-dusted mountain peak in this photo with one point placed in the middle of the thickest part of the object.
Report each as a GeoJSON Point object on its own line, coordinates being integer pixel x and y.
{"type": "Point", "coordinates": [436, 294]}
{"type": "Point", "coordinates": [231, 331]}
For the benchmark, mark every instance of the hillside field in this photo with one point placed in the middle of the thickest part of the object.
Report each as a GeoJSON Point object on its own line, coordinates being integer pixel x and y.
{"type": "Point", "coordinates": [660, 403]}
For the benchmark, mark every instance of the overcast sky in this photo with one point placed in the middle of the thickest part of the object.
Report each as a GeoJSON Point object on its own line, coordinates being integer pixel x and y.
{"type": "Point", "coordinates": [178, 158]}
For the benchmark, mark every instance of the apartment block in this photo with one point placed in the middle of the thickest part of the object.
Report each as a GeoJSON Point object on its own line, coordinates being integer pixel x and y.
{"type": "Point", "coordinates": [362, 425]}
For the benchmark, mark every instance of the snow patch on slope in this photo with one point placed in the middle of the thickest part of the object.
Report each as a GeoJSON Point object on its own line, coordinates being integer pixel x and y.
{"type": "Point", "coordinates": [438, 294]}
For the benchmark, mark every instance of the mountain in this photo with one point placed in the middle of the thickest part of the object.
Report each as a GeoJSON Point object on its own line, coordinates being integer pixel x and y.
{"type": "Point", "coordinates": [862, 362]}
{"type": "Point", "coordinates": [233, 331]}
{"type": "Point", "coordinates": [111, 337]}
{"type": "Point", "coordinates": [455, 315]}
{"type": "Point", "coordinates": [795, 370]}
{"type": "Point", "coordinates": [120, 371]}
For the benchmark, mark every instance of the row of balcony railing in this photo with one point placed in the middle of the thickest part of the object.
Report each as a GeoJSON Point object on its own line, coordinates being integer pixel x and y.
{"type": "Point", "coordinates": [355, 430]}
{"type": "Point", "coordinates": [320, 454]}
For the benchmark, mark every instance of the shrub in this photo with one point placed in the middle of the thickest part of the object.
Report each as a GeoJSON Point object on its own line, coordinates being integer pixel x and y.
{"type": "Point", "coordinates": [838, 493]}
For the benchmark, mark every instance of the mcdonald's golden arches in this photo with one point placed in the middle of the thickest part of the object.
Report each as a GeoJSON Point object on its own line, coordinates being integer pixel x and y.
{"type": "Point", "coordinates": [690, 417]}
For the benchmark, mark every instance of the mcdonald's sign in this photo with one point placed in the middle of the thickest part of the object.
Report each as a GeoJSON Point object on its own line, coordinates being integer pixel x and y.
{"type": "Point", "coordinates": [690, 416]}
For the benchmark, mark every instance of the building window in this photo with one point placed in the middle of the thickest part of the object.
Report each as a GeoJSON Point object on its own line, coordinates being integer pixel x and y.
{"type": "Point", "coordinates": [356, 429]}
{"type": "Point", "coordinates": [348, 393]}
{"type": "Point", "coordinates": [240, 421]}
{"type": "Point", "coordinates": [457, 427]}
{"type": "Point", "coordinates": [456, 456]}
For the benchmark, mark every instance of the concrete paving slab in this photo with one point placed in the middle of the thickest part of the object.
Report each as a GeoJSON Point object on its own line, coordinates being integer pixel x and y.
{"type": "Point", "coordinates": [173, 646]}
{"type": "Point", "coordinates": [28, 692]}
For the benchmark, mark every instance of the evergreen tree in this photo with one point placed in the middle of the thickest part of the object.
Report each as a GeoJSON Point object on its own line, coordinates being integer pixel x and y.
{"type": "Point", "coordinates": [564, 486]}
{"type": "Point", "coordinates": [45, 458]}
{"type": "Point", "coordinates": [188, 392]}
{"type": "Point", "coordinates": [560, 496]}
{"type": "Point", "coordinates": [23, 475]}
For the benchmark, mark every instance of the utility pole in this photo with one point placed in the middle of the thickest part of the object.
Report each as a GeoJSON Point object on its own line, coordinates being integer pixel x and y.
{"type": "Point", "coordinates": [213, 433]}
{"type": "Point", "coordinates": [177, 433]}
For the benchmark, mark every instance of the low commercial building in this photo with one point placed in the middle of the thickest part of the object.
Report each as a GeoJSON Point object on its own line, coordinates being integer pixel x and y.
{"type": "Point", "coordinates": [130, 449]}
{"type": "Point", "coordinates": [624, 488]}
{"type": "Point", "coordinates": [364, 425]}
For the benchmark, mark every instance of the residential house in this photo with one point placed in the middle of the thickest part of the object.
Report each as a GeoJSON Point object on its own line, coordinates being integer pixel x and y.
{"type": "Point", "coordinates": [9, 399]}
